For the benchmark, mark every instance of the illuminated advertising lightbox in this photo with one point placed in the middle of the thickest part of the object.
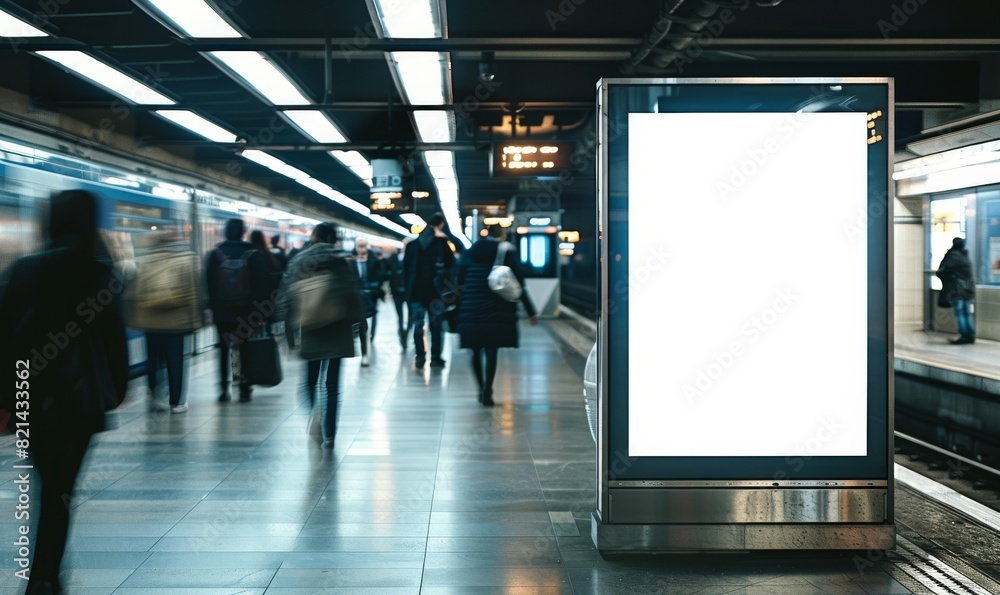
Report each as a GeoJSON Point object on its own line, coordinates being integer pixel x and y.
{"type": "Point", "coordinates": [745, 333]}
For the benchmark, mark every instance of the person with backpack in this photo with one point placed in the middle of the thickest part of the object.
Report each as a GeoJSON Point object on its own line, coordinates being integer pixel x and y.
{"type": "Point", "coordinates": [65, 351]}
{"type": "Point", "coordinates": [237, 283]}
{"type": "Point", "coordinates": [165, 301]}
{"type": "Point", "coordinates": [427, 265]}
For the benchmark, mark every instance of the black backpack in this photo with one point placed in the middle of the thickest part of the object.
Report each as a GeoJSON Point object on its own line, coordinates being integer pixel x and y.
{"type": "Point", "coordinates": [234, 283]}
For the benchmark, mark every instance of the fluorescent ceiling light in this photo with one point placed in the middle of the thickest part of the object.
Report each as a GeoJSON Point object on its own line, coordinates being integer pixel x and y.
{"type": "Point", "coordinates": [363, 171]}
{"type": "Point", "coordinates": [409, 18]}
{"type": "Point", "coordinates": [435, 158]}
{"type": "Point", "coordinates": [316, 125]}
{"type": "Point", "coordinates": [422, 76]}
{"type": "Point", "coordinates": [198, 125]}
{"type": "Point", "coordinates": [105, 76]}
{"type": "Point", "coordinates": [274, 164]}
{"type": "Point", "coordinates": [446, 185]}
{"type": "Point", "coordinates": [261, 74]}
{"type": "Point", "coordinates": [314, 184]}
{"type": "Point", "coordinates": [442, 171]}
{"type": "Point", "coordinates": [346, 201]}
{"type": "Point", "coordinates": [350, 158]}
{"type": "Point", "coordinates": [389, 224]}
{"type": "Point", "coordinates": [413, 219]}
{"type": "Point", "coordinates": [13, 27]}
{"type": "Point", "coordinates": [433, 126]}
{"type": "Point", "coordinates": [195, 18]}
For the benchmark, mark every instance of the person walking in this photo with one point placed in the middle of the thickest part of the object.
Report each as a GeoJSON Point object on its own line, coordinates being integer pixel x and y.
{"type": "Point", "coordinates": [393, 266]}
{"type": "Point", "coordinates": [324, 345]}
{"type": "Point", "coordinates": [370, 275]}
{"type": "Point", "coordinates": [958, 283]}
{"type": "Point", "coordinates": [166, 303]}
{"type": "Point", "coordinates": [486, 321]}
{"type": "Point", "coordinates": [64, 340]}
{"type": "Point", "coordinates": [236, 280]}
{"type": "Point", "coordinates": [427, 267]}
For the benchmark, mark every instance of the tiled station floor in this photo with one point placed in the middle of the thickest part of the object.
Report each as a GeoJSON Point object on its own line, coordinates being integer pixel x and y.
{"type": "Point", "coordinates": [426, 491]}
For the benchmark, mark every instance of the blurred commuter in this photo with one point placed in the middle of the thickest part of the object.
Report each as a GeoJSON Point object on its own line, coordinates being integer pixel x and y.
{"type": "Point", "coordinates": [323, 282]}
{"type": "Point", "coordinates": [393, 267]}
{"type": "Point", "coordinates": [279, 252]}
{"type": "Point", "coordinates": [299, 247]}
{"type": "Point", "coordinates": [271, 262]}
{"type": "Point", "coordinates": [486, 321]}
{"type": "Point", "coordinates": [371, 275]}
{"type": "Point", "coordinates": [61, 315]}
{"type": "Point", "coordinates": [237, 282]}
{"type": "Point", "coordinates": [958, 289]}
{"type": "Point", "coordinates": [427, 266]}
{"type": "Point", "coordinates": [165, 302]}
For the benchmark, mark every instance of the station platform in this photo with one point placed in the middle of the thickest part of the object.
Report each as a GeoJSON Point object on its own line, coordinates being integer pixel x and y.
{"type": "Point", "coordinates": [426, 491]}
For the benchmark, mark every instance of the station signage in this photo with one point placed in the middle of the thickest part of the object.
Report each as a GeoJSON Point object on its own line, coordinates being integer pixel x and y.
{"type": "Point", "coordinates": [392, 202]}
{"type": "Point", "coordinates": [530, 159]}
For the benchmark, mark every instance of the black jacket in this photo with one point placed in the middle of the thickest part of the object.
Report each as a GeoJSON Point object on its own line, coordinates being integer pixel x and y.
{"type": "Point", "coordinates": [484, 318]}
{"type": "Point", "coordinates": [62, 312]}
{"type": "Point", "coordinates": [427, 264]}
{"type": "Point", "coordinates": [957, 278]}
{"type": "Point", "coordinates": [259, 279]}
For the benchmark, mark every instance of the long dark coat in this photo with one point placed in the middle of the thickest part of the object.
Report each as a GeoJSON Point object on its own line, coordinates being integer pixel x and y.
{"type": "Point", "coordinates": [958, 281]}
{"type": "Point", "coordinates": [484, 318]}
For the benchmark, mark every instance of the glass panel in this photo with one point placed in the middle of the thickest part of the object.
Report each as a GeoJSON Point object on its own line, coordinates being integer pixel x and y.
{"type": "Point", "coordinates": [947, 223]}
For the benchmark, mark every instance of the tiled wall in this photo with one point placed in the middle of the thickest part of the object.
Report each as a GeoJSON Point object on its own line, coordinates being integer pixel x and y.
{"type": "Point", "coordinates": [908, 263]}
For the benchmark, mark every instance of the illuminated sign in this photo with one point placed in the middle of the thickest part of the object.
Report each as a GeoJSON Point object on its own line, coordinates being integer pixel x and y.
{"type": "Point", "coordinates": [569, 236]}
{"type": "Point", "coordinates": [533, 159]}
{"type": "Point", "coordinates": [391, 202]}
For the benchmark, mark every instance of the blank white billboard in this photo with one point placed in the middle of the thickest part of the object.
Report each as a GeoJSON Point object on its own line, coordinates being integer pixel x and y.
{"type": "Point", "coordinates": [747, 284]}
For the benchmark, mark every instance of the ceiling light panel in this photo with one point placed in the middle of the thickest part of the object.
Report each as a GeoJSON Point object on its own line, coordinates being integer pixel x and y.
{"type": "Point", "coordinates": [198, 125]}
{"type": "Point", "coordinates": [409, 18]}
{"type": "Point", "coordinates": [437, 158]}
{"type": "Point", "coordinates": [13, 27]}
{"type": "Point", "coordinates": [434, 126]}
{"type": "Point", "coordinates": [261, 74]}
{"type": "Point", "coordinates": [274, 164]}
{"type": "Point", "coordinates": [422, 76]}
{"type": "Point", "coordinates": [316, 125]}
{"type": "Point", "coordinates": [105, 76]}
{"type": "Point", "coordinates": [350, 158]}
{"type": "Point", "coordinates": [346, 201]}
{"type": "Point", "coordinates": [195, 18]}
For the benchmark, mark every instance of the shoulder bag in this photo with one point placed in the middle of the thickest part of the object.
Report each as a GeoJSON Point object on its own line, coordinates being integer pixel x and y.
{"type": "Point", "coordinates": [502, 280]}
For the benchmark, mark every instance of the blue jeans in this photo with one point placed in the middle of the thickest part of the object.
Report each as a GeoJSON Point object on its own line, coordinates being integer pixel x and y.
{"type": "Point", "coordinates": [964, 318]}
{"type": "Point", "coordinates": [328, 406]}
{"type": "Point", "coordinates": [417, 312]}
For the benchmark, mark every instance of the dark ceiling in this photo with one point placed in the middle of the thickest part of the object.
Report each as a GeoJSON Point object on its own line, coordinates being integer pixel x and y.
{"type": "Point", "coordinates": [549, 55]}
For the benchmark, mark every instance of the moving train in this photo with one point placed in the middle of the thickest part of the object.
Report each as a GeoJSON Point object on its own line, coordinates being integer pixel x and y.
{"type": "Point", "coordinates": [132, 207]}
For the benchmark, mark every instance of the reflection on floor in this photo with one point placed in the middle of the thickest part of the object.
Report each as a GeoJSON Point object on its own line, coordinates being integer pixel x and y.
{"type": "Point", "coordinates": [426, 491]}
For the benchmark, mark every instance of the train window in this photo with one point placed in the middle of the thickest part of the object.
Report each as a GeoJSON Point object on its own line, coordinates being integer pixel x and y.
{"type": "Point", "coordinates": [142, 211]}
{"type": "Point", "coordinates": [987, 229]}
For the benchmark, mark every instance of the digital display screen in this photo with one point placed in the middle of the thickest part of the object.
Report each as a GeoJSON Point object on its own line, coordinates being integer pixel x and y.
{"type": "Point", "coordinates": [747, 330]}
{"type": "Point", "coordinates": [522, 159]}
